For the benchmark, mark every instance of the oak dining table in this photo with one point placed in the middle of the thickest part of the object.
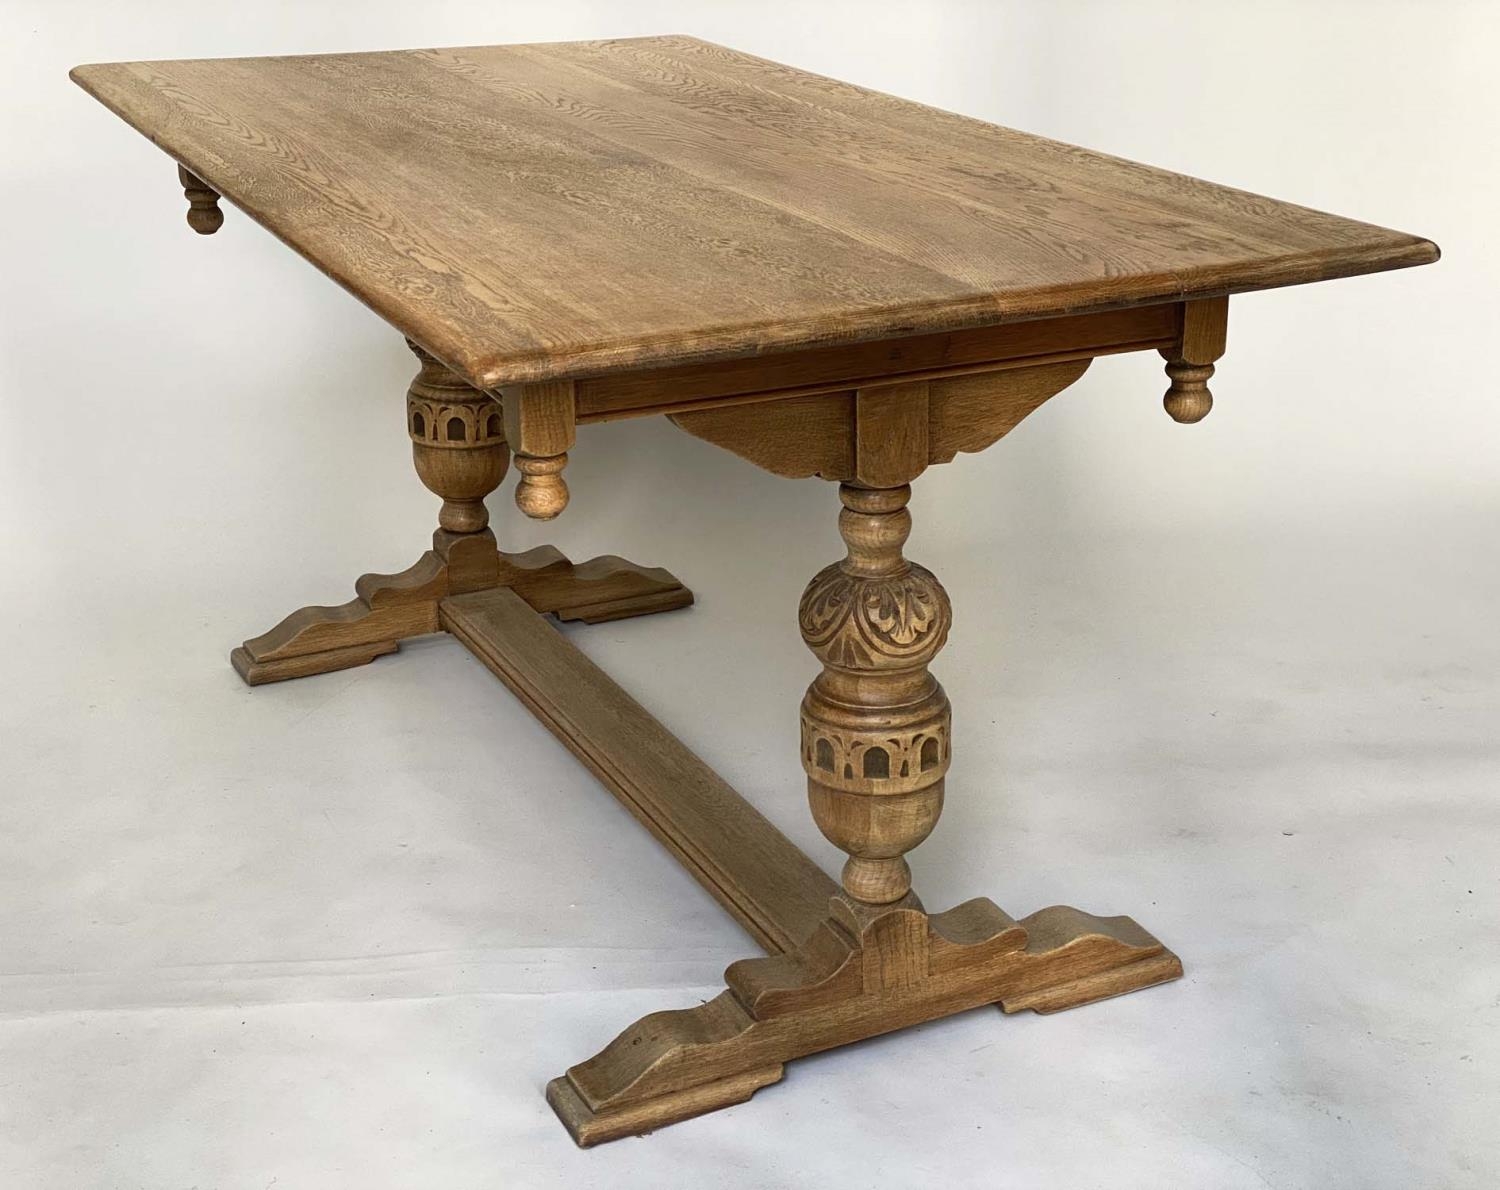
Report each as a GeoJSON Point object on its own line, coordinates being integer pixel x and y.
{"type": "Point", "coordinates": [821, 279]}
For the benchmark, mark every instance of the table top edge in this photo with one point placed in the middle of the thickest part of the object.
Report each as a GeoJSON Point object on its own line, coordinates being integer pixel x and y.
{"type": "Point", "coordinates": [1384, 249]}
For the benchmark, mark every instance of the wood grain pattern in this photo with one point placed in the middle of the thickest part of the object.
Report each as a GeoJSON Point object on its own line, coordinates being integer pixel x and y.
{"type": "Point", "coordinates": [821, 434]}
{"type": "Point", "coordinates": [695, 387]}
{"type": "Point", "coordinates": [571, 210]}
{"type": "Point", "coordinates": [203, 215]}
{"type": "Point", "coordinates": [459, 448]}
{"type": "Point", "coordinates": [890, 433]}
{"type": "Point", "coordinates": [796, 438]}
{"type": "Point", "coordinates": [876, 727]}
{"type": "Point", "coordinates": [821, 278]}
{"type": "Point", "coordinates": [390, 608]}
{"type": "Point", "coordinates": [386, 609]}
{"type": "Point", "coordinates": [540, 425]}
{"type": "Point", "coordinates": [876, 751]}
{"type": "Point", "coordinates": [840, 968]}
{"type": "Point", "coordinates": [1190, 361]}
{"type": "Point", "coordinates": [973, 412]}
{"type": "Point", "coordinates": [862, 973]}
{"type": "Point", "coordinates": [771, 888]}
{"type": "Point", "coordinates": [458, 443]}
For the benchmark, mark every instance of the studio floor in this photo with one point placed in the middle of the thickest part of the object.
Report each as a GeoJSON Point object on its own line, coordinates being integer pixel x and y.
{"type": "Point", "coordinates": [339, 932]}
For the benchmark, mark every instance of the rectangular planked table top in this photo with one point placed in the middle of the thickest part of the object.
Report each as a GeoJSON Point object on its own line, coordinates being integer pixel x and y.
{"type": "Point", "coordinates": [537, 212]}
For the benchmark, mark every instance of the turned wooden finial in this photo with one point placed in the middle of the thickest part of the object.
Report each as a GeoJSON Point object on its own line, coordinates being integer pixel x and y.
{"type": "Point", "coordinates": [203, 215]}
{"type": "Point", "coordinates": [1188, 400]}
{"type": "Point", "coordinates": [1190, 362]}
{"type": "Point", "coordinates": [457, 442]}
{"type": "Point", "coordinates": [542, 493]}
{"type": "Point", "coordinates": [875, 723]}
{"type": "Point", "coordinates": [540, 426]}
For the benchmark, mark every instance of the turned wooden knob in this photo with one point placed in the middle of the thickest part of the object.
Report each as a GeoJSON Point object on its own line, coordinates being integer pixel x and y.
{"type": "Point", "coordinates": [1190, 362]}
{"type": "Point", "coordinates": [203, 215]}
{"type": "Point", "coordinates": [1188, 399]}
{"type": "Point", "coordinates": [542, 493]}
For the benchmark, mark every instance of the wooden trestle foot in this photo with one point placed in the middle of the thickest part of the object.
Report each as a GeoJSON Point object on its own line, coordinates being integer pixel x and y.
{"type": "Point", "coordinates": [859, 975]}
{"type": "Point", "coordinates": [461, 454]}
{"type": "Point", "coordinates": [839, 969]}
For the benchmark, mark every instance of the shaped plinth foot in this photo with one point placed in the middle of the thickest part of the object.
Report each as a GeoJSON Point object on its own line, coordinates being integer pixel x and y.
{"type": "Point", "coordinates": [865, 971]}
{"type": "Point", "coordinates": [389, 608]}
{"type": "Point", "coordinates": [603, 588]}
{"type": "Point", "coordinates": [386, 609]}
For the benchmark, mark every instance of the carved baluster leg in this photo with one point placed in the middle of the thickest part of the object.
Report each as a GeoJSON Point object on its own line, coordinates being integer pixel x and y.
{"type": "Point", "coordinates": [875, 745]}
{"type": "Point", "coordinates": [459, 446]}
{"type": "Point", "coordinates": [875, 723]}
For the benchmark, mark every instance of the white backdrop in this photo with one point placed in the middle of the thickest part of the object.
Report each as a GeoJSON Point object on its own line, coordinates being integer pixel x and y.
{"type": "Point", "coordinates": [1241, 680]}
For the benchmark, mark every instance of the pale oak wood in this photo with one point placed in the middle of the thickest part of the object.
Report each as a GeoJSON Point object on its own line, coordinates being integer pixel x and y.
{"type": "Point", "coordinates": [797, 437]}
{"type": "Point", "coordinates": [460, 450]}
{"type": "Point", "coordinates": [1190, 362]}
{"type": "Point", "coordinates": [876, 749]}
{"type": "Point", "coordinates": [820, 278]}
{"type": "Point", "coordinates": [819, 434]}
{"type": "Point", "coordinates": [540, 421]}
{"type": "Point", "coordinates": [890, 432]}
{"type": "Point", "coordinates": [876, 740]}
{"type": "Point", "coordinates": [203, 215]}
{"type": "Point", "coordinates": [859, 975]}
{"type": "Point", "coordinates": [501, 205]}
{"type": "Point", "coordinates": [388, 609]}
{"type": "Point", "coordinates": [458, 443]}
{"type": "Point", "coordinates": [845, 970]}
{"type": "Point", "coordinates": [769, 886]}
{"type": "Point", "coordinates": [971, 413]}
{"type": "Point", "coordinates": [697, 387]}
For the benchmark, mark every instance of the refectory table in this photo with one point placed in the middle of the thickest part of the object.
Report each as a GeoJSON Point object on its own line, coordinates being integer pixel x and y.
{"type": "Point", "coordinates": [821, 279]}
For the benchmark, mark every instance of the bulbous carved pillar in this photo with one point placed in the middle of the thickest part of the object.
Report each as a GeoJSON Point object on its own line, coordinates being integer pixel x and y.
{"type": "Point", "coordinates": [875, 723]}
{"type": "Point", "coordinates": [458, 443]}
{"type": "Point", "coordinates": [461, 449]}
